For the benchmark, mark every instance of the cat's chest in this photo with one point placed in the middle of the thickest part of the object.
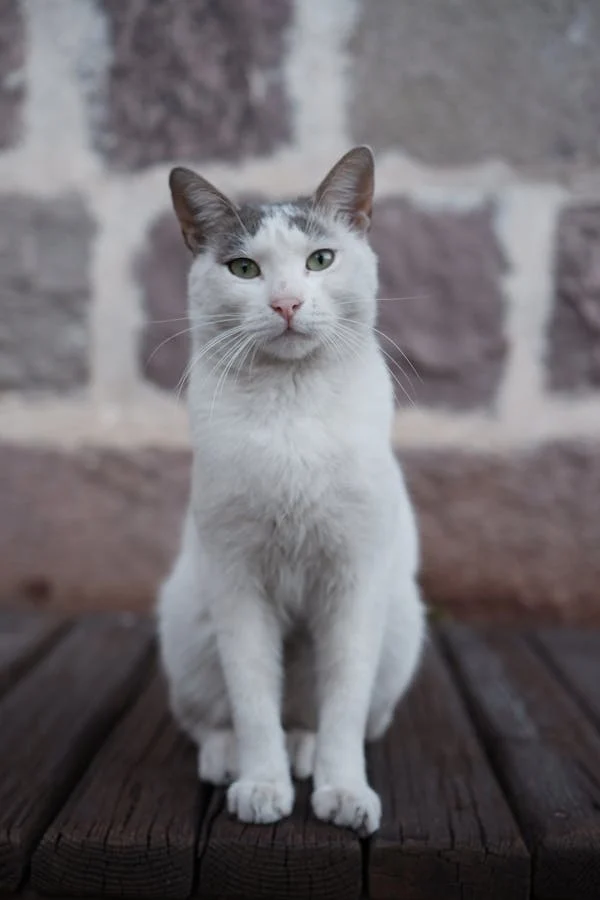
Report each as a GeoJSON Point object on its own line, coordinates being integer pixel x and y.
{"type": "Point", "coordinates": [295, 466]}
{"type": "Point", "coordinates": [293, 481]}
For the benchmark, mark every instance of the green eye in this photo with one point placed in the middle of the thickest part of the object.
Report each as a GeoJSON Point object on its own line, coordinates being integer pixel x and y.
{"type": "Point", "coordinates": [319, 260]}
{"type": "Point", "coordinates": [243, 267]}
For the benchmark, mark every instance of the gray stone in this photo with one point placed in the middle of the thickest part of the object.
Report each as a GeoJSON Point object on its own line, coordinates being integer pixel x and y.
{"type": "Point", "coordinates": [194, 80]}
{"type": "Point", "coordinates": [441, 303]}
{"type": "Point", "coordinates": [573, 355]}
{"type": "Point", "coordinates": [12, 62]}
{"type": "Point", "coordinates": [162, 271]}
{"type": "Point", "coordinates": [44, 293]}
{"type": "Point", "coordinates": [457, 81]}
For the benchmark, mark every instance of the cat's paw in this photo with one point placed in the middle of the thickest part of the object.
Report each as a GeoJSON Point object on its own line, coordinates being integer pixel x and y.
{"type": "Point", "coordinates": [357, 808]}
{"type": "Point", "coordinates": [217, 759]}
{"type": "Point", "coordinates": [260, 802]}
{"type": "Point", "coordinates": [301, 752]}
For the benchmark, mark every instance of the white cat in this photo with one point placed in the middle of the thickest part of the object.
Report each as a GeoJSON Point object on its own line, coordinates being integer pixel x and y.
{"type": "Point", "coordinates": [293, 603]}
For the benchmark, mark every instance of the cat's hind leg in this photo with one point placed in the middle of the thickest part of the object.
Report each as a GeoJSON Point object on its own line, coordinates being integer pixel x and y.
{"type": "Point", "coordinates": [300, 705]}
{"type": "Point", "coordinates": [218, 756]}
{"type": "Point", "coordinates": [400, 655]}
{"type": "Point", "coordinates": [301, 752]}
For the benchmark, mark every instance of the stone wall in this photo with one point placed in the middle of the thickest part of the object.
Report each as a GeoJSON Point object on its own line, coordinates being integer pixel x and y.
{"type": "Point", "coordinates": [485, 119]}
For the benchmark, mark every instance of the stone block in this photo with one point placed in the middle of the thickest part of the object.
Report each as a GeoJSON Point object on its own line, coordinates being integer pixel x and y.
{"type": "Point", "coordinates": [162, 268]}
{"type": "Point", "coordinates": [459, 82]}
{"type": "Point", "coordinates": [12, 74]}
{"type": "Point", "coordinates": [441, 304]}
{"type": "Point", "coordinates": [573, 350]}
{"type": "Point", "coordinates": [44, 293]}
{"type": "Point", "coordinates": [194, 80]}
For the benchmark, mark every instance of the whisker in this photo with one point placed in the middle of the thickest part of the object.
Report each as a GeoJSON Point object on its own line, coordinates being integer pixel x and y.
{"type": "Point", "coordinates": [194, 327]}
{"type": "Point", "coordinates": [354, 300]}
{"type": "Point", "coordinates": [400, 350]}
{"type": "Point", "coordinates": [223, 337]}
{"type": "Point", "coordinates": [407, 297]}
{"type": "Point", "coordinates": [253, 357]}
{"type": "Point", "coordinates": [250, 343]}
{"type": "Point", "coordinates": [350, 338]}
{"type": "Point", "coordinates": [231, 357]}
{"type": "Point", "coordinates": [167, 321]}
{"type": "Point", "coordinates": [171, 337]}
{"type": "Point", "coordinates": [220, 347]}
{"type": "Point", "coordinates": [196, 320]}
{"type": "Point", "coordinates": [389, 357]}
{"type": "Point", "coordinates": [352, 346]}
{"type": "Point", "coordinates": [333, 345]}
{"type": "Point", "coordinates": [393, 342]}
{"type": "Point", "coordinates": [395, 362]}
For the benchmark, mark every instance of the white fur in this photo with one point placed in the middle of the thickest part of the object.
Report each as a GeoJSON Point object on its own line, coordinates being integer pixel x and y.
{"type": "Point", "coordinates": [293, 603]}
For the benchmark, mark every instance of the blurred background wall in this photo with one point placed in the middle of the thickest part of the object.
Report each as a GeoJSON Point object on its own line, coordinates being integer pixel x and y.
{"type": "Point", "coordinates": [485, 118]}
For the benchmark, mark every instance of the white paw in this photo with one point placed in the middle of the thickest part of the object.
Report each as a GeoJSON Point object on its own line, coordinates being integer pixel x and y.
{"type": "Point", "coordinates": [217, 760]}
{"type": "Point", "coordinates": [356, 808]}
{"type": "Point", "coordinates": [301, 752]}
{"type": "Point", "coordinates": [260, 802]}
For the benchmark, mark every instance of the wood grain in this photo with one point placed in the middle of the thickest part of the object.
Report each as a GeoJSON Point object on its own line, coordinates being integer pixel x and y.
{"type": "Point", "coordinates": [130, 828]}
{"type": "Point", "coordinates": [500, 736]}
{"type": "Point", "coordinates": [299, 858]}
{"type": "Point", "coordinates": [574, 655]}
{"type": "Point", "coordinates": [24, 637]}
{"type": "Point", "coordinates": [547, 755]}
{"type": "Point", "coordinates": [447, 830]}
{"type": "Point", "coordinates": [51, 723]}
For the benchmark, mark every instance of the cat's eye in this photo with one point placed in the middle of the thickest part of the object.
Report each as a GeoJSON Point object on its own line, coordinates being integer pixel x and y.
{"type": "Point", "coordinates": [319, 260]}
{"type": "Point", "coordinates": [243, 267]}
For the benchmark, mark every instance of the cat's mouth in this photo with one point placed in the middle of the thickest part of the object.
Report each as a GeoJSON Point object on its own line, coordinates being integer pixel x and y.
{"type": "Point", "coordinates": [291, 331]}
{"type": "Point", "coordinates": [291, 343]}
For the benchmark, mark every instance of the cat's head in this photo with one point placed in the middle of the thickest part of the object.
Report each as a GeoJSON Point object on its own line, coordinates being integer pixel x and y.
{"type": "Point", "coordinates": [287, 278]}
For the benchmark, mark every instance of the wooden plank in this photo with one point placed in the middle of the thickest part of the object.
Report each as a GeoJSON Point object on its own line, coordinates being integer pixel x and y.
{"type": "Point", "coordinates": [574, 655]}
{"type": "Point", "coordinates": [130, 828]}
{"type": "Point", "coordinates": [447, 830]}
{"type": "Point", "coordinates": [547, 754]}
{"type": "Point", "coordinates": [24, 637]}
{"type": "Point", "coordinates": [298, 858]}
{"type": "Point", "coordinates": [53, 720]}
{"type": "Point", "coordinates": [27, 893]}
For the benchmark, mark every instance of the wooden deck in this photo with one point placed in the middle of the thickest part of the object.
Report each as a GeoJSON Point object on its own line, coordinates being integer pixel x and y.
{"type": "Point", "coordinates": [490, 778]}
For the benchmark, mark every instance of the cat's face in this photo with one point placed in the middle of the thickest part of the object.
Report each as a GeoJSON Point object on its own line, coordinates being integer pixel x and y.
{"type": "Point", "coordinates": [283, 278]}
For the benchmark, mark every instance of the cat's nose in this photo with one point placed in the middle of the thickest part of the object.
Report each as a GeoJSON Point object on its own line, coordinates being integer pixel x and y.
{"type": "Point", "coordinates": [287, 307]}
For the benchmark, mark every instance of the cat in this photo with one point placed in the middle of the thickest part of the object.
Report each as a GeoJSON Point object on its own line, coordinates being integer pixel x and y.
{"type": "Point", "coordinates": [291, 622]}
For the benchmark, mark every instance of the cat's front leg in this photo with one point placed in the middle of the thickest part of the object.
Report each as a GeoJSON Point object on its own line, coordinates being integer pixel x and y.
{"type": "Point", "coordinates": [348, 642]}
{"type": "Point", "coordinates": [250, 647]}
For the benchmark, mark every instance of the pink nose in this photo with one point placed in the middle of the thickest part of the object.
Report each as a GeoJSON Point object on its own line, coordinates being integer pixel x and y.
{"type": "Point", "coordinates": [286, 307]}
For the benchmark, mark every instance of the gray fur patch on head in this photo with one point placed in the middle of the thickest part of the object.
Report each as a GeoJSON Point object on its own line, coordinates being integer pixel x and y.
{"type": "Point", "coordinates": [305, 217]}
{"type": "Point", "coordinates": [227, 239]}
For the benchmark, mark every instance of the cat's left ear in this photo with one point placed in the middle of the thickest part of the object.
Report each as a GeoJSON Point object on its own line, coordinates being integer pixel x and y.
{"type": "Point", "coordinates": [348, 188]}
{"type": "Point", "coordinates": [199, 206]}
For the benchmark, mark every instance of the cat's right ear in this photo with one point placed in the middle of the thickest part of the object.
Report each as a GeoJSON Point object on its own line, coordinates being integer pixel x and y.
{"type": "Point", "coordinates": [198, 205]}
{"type": "Point", "coordinates": [348, 188]}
